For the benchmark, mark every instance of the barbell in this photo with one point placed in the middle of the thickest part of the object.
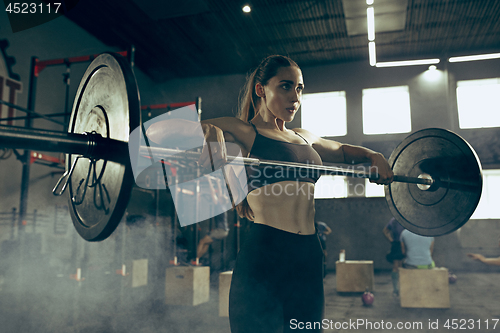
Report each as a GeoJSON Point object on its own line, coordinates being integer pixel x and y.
{"type": "Point", "coordinates": [437, 182]}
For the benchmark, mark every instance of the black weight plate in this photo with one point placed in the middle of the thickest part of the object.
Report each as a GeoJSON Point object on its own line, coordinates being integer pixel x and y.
{"type": "Point", "coordinates": [107, 102]}
{"type": "Point", "coordinates": [448, 204]}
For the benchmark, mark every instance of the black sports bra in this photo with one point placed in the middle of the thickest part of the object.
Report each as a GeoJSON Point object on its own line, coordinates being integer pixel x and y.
{"type": "Point", "coordinates": [270, 149]}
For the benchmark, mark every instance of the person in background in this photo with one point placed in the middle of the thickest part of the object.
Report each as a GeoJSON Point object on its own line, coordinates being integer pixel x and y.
{"type": "Point", "coordinates": [322, 229]}
{"type": "Point", "coordinates": [221, 229]}
{"type": "Point", "coordinates": [392, 232]}
{"type": "Point", "coordinates": [484, 260]}
{"type": "Point", "coordinates": [417, 250]}
{"type": "Point", "coordinates": [219, 233]}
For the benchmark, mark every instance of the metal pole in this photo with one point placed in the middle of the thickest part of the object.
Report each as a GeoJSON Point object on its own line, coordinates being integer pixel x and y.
{"type": "Point", "coordinates": [28, 112]}
{"type": "Point", "coordinates": [210, 226]}
{"type": "Point", "coordinates": [222, 253]}
{"type": "Point", "coordinates": [34, 116]}
{"type": "Point", "coordinates": [14, 215]}
{"type": "Point", "coordinates": [238, 227]}
{"type": "Point", "coordinates": [131, 55]}
{"type": "Point", "coordinates": [67, 110]}
{"type": "Point", "coordinates": [90, 145]}
{"type": "Point", "coordinates": [25, 178]}
{"type": "Point", "coordinates": [34, 221]}
{"type": "Point", "coordinates": [55, 219]}
{"type": "Point", "coordinates": [174, 223]}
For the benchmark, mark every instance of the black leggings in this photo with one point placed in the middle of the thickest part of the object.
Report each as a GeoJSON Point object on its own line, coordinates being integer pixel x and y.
{"type": "Point", "coordinates": [277, 282]}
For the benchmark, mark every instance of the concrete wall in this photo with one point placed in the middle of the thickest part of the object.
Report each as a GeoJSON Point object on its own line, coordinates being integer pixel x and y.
{"type": "Point", "coordinates": [356, 222]}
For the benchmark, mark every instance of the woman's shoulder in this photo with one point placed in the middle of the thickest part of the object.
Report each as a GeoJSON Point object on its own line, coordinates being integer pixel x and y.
{"type": "Point", "coordinates": [241, 131]}
{"type": "Point", "coordinates": [227, 123]}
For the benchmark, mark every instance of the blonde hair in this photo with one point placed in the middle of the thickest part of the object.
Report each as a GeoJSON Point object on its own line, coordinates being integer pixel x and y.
{"type": "Point", "coordinates": [249, 102]}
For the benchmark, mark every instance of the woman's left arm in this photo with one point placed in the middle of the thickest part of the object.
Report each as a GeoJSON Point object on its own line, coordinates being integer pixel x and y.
{"type": "Point", "coordinates": [336, 152]}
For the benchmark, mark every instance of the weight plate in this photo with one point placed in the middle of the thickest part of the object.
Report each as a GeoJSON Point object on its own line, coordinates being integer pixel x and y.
{"type": "Point", "coordinates": [456, 169]}
{"type": "Point", "coordinates": [107, 102]}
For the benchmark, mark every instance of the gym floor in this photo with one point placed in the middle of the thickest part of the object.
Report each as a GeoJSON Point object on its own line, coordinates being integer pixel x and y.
{"type": "Point", "coordinates": [62, 308]}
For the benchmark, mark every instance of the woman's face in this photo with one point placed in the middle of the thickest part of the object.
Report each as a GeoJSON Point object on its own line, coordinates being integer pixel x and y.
{"type": "Point", "coordinates": [283, 93]}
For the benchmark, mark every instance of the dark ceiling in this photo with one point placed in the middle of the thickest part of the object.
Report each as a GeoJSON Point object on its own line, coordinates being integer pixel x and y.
{"type": "Point", "coordinates": [178, 39]}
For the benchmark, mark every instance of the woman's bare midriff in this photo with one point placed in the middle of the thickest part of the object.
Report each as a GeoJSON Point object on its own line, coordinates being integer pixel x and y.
{"type": "Point", "coordinates": [288, 206]}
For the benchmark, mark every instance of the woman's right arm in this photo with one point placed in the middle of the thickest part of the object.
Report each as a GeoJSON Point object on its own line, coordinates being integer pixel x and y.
{"type": "Point", "coordinates": [163, 131]}
{"type": "Point", "coordinates": [213, 131]}
{"type": "Point", "coordinates": [241, 132]}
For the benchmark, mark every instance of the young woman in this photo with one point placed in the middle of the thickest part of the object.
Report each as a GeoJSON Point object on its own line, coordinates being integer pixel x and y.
{"type": "Point", "coordinates": [277, 283]}
{"type": "Point", "coordinates": [392, 231]}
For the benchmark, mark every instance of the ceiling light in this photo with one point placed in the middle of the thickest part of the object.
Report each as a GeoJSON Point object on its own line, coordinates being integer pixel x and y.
{"type": "Point", "coordinates": [369, 2]}
{"type": "Point", "coordinates": [372, 53]}
{"type": "Point", "coordinates": [408, 63]}
{"type": "Point", "coordinates": [370, 19]}
{"type": "Point", "coordinates": [475, 57]}
{"type": "Point", "coordinates": [246, 9]}
{"type": "Point", "coordinates": [432, 67]}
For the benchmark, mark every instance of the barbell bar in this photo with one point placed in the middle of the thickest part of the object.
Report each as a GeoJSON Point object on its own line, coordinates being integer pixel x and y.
{"type": "Point", "coordinates": [88, 145]}
{"type": "Point", "coordinates": [94, 146]}
{"type": "Point", "coordinates": [168, 153]}
{"type": "Point", "coordinates": [107, 108]}
{"type": "Point", "coordinates": [426, 180]}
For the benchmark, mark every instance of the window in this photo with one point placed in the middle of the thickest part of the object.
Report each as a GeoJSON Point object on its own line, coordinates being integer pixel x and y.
{"type": "Point", "coordinates": [373, 190]}
{"type": "Point", "coordinates": [329, 187]}
{"type": "Point", "coordinates": [478, 103]}
{"type": "Point", "coordinates": [490, 197]}
{"type": "Point", "coordinates": [386, 110]}
{"type": "Point", "coordinates": [324, 114]}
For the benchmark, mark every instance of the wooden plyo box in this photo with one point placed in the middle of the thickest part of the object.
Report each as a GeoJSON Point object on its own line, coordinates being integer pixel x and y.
{"type": "Point", "coordinates": [135, 273]}
{"type": "Point", "coordinates": [224, 286]}
{"type": "Point", "coordinates": [354, 275]}
{"type": "Point", "coordinates": [424, 288]}
{"type": "Point", "coordinates": [139, 273]}
{"type": "Point", "coordinates": [187, 285]}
